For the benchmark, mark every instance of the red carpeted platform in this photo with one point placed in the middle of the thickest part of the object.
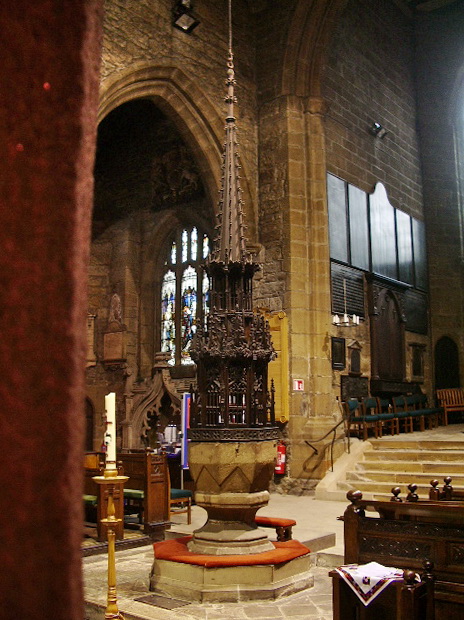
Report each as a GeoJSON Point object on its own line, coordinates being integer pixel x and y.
{"type": "Point", "coordinates": [176, 550]}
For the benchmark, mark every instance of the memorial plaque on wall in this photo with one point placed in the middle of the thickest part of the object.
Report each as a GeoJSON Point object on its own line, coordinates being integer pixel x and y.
{"type": "Point", "coordinates": [354, 387]}
{"type": "Point", "coordinates": [114, 346]}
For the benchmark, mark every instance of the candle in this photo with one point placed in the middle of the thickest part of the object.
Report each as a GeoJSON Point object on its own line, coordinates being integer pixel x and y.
{"type": "Point", "coordinates": [110, 435]}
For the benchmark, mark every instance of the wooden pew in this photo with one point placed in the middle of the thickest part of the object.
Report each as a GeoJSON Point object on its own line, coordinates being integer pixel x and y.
{"type": "Point", "coordinates": [404, 535]}
{"type": "Point", "coordinates": [147, 490]}
{"type": "Point", "coordinates": [148, 485]}
{"type": "Point", "coordinates": [451, 400]}
{"type": "Point", "coordinates": [447, 493]}
{"type": "Point", "coordinates": [96, 496]}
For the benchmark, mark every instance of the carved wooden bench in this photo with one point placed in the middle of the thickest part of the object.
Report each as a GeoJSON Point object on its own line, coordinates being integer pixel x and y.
{"type": "Point", "coordinates": [404, 534]}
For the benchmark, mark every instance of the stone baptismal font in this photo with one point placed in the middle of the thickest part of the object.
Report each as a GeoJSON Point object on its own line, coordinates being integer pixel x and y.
{"type": "Point", "coordinates": [232, 435]}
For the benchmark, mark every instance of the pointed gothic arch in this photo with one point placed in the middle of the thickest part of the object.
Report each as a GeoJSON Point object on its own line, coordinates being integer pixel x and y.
{"type": "Point", "coordinates": [199, 123]}
{"type": "Point", "coordinates": [308, 40]}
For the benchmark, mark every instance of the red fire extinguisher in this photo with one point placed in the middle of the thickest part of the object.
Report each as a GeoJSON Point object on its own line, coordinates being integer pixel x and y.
{"type": "Point", "coordinates": [281, 458]}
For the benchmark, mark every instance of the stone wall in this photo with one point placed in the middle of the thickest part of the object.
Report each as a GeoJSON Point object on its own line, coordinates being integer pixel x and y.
{"type": "Point", "coordinates": [441, 124]}
{"type": "Point", "coordinates": [141, 33]}
{"type": "Point", "coordinates": [312, 78]}
{"type": "Point", "coordinates": [370, 77]}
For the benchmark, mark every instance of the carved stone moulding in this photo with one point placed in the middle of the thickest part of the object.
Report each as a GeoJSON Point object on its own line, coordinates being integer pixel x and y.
{"type": "Point", "coordinates": [233, 434]}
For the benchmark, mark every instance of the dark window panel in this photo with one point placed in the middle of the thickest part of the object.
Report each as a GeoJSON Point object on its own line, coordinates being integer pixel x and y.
{"type": "Point", "coordinates": [420, 256]}
{"type": "Point", "coordinates": [354, 285]}
{"type": "Point", "coordinates": [359, 231]}
{"type": "Point", "coordinates": [336, 198]}
{"type": "Point", "coordinates": [404, 241]}
{"type": "Point", "coordinates": [383, 238]}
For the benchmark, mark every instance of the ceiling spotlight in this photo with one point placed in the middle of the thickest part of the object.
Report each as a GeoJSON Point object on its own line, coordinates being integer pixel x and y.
{"type": "Point", "coordinates": [183, 16]}
{"type": "Point", "coordinates": [378, 131]}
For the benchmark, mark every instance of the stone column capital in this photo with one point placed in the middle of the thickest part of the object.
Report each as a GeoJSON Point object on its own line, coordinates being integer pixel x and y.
{"type": "Point", "coordinates": [316, 105]}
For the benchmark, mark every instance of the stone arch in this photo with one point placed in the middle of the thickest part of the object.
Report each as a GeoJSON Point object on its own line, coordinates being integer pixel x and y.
{"type": "Point", "coordinates": [197, 120]}
{"type": "Point", "coordinates": [308, 40]}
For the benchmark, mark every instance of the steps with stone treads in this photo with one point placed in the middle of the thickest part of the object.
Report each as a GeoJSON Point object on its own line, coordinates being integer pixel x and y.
{"type": "Point", "coordinates": [389, 463]}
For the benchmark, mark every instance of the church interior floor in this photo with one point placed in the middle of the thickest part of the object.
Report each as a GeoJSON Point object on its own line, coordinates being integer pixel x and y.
{"type": "Point", "coordinates": [317, 526]}
{"type": "Point", "coordinates": [316, 521]}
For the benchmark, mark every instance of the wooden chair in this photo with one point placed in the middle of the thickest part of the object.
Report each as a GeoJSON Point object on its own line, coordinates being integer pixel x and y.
{"type": "Point", "coordinates": [371, 406]}
{"type": "Point", "coordinates": [181, 500]}
{"type": "Point", "coordinates": [355, 416]}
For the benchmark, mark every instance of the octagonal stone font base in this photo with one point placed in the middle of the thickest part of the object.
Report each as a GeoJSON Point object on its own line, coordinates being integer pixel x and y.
{"type": "Point", "coordinates": [231, 484]}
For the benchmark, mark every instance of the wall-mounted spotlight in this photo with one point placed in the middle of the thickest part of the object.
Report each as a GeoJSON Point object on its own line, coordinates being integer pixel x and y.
{"type": "Point", "coordinates": [183, 16]}
{"type": "Point", "coordinates": [378, 131]}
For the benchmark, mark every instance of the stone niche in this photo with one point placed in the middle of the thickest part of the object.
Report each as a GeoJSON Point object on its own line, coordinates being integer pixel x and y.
{"type": "Point", "coordinates": [114, 337]}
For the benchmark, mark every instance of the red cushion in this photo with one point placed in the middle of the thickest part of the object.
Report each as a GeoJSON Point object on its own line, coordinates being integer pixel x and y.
{"type": "Point", "coordinates": [274, 521]}
{"type": "Point", "coordinates": [176, 550]}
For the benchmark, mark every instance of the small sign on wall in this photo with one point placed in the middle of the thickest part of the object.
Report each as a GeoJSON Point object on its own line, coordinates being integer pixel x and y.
{"type": "Point", "coordinates": [298, 385]}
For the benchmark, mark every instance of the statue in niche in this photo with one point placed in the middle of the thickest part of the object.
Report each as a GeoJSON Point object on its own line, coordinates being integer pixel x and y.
{"type": "Point", "coordinates": [115, 315]}
{"type": "Point", "coordinates": [114, 345]}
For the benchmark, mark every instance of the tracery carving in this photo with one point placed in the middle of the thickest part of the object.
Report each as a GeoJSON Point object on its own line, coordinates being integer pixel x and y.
{"type": "Point", "coordinates": [456, 553]}
{"type": "Point", "coordinates": [145, 404]}
{"type": "Point", "coordinates": [395, 548]}
{"type": "Point", "coordinates": [233, 434]}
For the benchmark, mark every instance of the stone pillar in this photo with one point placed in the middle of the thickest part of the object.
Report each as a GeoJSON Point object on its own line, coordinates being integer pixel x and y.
{"type": "Point", "coordinates": [50, 54]}
{"type": "Point", "coordinates": [308, 293]}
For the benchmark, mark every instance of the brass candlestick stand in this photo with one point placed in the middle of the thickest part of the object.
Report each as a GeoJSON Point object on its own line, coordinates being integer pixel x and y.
{"type": "Point", "coordinates": [110, 478]}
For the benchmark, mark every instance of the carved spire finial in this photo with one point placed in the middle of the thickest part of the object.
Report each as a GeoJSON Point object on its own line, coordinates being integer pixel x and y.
{"type": "Point", "coordinates": [230, 244]}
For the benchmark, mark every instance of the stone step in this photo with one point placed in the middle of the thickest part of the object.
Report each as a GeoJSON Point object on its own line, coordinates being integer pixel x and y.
{"type": "Point", "coordinates": [421, 455]}
{"type": "Point", "coordinates": [433, 469]}
{"type": "Point", "coordinates": [385, 475]}
{"type": "Point", "coordinates": [393, 444]}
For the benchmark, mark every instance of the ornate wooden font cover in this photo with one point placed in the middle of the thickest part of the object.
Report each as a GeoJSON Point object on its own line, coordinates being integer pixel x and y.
{"type": "Point", "coordinates": [233, 349]}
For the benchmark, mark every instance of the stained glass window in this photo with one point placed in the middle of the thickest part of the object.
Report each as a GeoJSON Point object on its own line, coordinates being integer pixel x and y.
{"type": "Point", "coordinates": [185, 237]}
{"type": "Point", "coordinates": [194, 244]}
{"type": "Point", "coordinates": [184, 294]}
{"type": "Point", "coordinates": [168, 312]}
{"type": "Point", "coordinates": [173, 253]}
{"type": "Point", "coordinates": [189, 311]}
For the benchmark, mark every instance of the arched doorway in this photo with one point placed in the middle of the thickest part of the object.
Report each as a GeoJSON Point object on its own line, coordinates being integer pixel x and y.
{"type": "Point", "coordinates": [446, 364]}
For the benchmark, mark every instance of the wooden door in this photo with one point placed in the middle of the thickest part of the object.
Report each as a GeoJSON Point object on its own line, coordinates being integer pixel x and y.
{"type": "Point", "coordinates": [387, 343]}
